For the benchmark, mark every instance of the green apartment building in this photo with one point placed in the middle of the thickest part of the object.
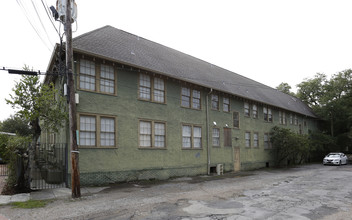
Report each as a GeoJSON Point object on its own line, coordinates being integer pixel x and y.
{"type": "Point", "coordinates": [146, 111]}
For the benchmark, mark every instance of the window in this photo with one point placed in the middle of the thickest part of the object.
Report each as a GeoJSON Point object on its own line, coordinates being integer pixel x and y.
{"type": "Point", "coordinates": [282, 117]}
{"type": "Point", "coordinates": [226, 104]}
{"type": "Point", "coordinates": [92, 135]}
{"type": "Point", "coordinates": [214, 102]}
{"type": "Point", "coordinates": [296, 120]}
{"type": "Point", "coordinates": [90, 73]}
{"type": "Point", "coordinates": [152, 89]}
{"type": "Point", "coordinates": [196, 99]}
{"type": "Point", "coordinates": [247, 138]}
{"type": "Point", "coordinates": [267, 143]}
{"type": "Point", "coordinates": [236, 120]}
{"type": "Point", "coordinates": [87, 75]}
{"type": "Point", "coordinates": [216, 137]}
{"type": "Point", "coordinates": [159, 90]}
{"type": "Point", "coordinates": [291, 119]}
{"type": "Point", "coordinates": [107, 79]}
{"type": "Point", "coordinates": [227, 137]}
{"type": "Point", "coordinates": [246, 109]}
{"type": "Point", "coordinates": [107, 131]}
{"type": "Point", "coordinates": [254, 111]}
{"type": "Point", "coordinates": [187, 95]}
{"type": "Point", "coordinates": [267, 114]}
{"type": "Point", "coordinates": [191, 136]}
{"type": "Point", "coordinates": [87, 131]}
{"type": "Point", "coordinates": [152, 134]}
{"type": "Point", "coordinates": [255, 140]}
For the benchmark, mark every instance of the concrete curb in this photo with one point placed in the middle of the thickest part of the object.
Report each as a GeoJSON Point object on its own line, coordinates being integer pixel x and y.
{"type": "Point", "coordinates": [59, 193]}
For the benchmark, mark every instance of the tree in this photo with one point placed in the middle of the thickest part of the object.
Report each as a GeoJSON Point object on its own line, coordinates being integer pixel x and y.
{"type": "Point", "coordinates": [285, 88]}
{"type": "Point", "coordinates": [40, 105]}
{"type": "Point", "coordinates": [331, 100]}
{"type": "Point", "coordinates": [17, 125]}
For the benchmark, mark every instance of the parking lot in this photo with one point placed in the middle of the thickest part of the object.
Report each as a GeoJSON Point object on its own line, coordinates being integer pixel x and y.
{"type": "Point", "coordinates": [305, 192]}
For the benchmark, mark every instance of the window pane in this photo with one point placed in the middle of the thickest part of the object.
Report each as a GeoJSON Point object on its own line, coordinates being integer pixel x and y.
{"type": "Point", "coordinates": [107, 79]}
{"type": "Point", "coordinates": [186, 97]}
{"type": "Point", "coordinates": [145, 134]}
{"type": "Point", "coordinates": [236, 120]}
{"type": "Point", "coordinates": [87, 67]}
{"type": "Point", "coordinates": [215, 102]}
{"type": "Point", "coordinates": [144, 86]}
{"type": "Point", "coordinates": [196, 99]}
{"type": "Point", "coordinates": [159, 133]}
{"type": "Point", "coordinates": [107, 132]}
{"type": "Point", "coordinates": [87, 131]}
{"type": "Point", "coordinates": [226, 104]}
{"type": "Point", "coordinates": [158, 84]}
{"type": "Point", "coordinates": [216, 137]}
{"type": "Point", "coordinates": [197, 137]}
{"type": "Point", "coordinates": [158, 96]}
{"type": "Point", "coordinates": [186, 136]}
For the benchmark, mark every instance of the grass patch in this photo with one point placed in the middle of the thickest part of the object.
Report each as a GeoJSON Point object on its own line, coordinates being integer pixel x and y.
{"type": "Point", "coordinates": [30, 204]}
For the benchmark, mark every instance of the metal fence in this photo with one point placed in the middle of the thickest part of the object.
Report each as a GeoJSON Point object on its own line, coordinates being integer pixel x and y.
{"type": "Point", "coordinates": [4, 171]}
{"type": "Point", "coordinates": [50, 166]}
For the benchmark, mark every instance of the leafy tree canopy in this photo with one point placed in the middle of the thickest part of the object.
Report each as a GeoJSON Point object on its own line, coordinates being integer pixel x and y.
{"type": "Point", "coordinates": [285, 88]}
{"type": "Point", "coordinates": [17, 125]}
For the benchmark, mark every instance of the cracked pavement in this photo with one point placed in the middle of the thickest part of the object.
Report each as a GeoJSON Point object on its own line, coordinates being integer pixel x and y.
{"type": "Point", "coordinates": [304, 192]}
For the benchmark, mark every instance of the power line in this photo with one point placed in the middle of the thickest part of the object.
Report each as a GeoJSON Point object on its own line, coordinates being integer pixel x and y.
{"type": "Point", "coordinates": [41, 22]}
{"type": "Point", "coordinates": [50, 17]}
{"type": "Point", "coordinates": [35, 29]}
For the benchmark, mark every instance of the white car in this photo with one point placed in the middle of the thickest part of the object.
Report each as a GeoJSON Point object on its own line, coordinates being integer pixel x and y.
{"type": "Point", "coordinates": [335, 159]}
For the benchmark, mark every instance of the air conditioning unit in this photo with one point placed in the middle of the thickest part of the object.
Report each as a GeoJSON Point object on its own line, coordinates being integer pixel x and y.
{"type": "Point", "coordinates": [219, 169]}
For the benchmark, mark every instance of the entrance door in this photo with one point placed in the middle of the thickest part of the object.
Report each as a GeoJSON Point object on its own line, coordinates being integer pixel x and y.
{"type": "Point", "coordinates": [237, 162]}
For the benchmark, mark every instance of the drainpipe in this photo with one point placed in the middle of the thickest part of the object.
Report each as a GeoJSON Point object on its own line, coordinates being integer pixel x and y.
{"type": "Point", "coordinates": [208, 137]}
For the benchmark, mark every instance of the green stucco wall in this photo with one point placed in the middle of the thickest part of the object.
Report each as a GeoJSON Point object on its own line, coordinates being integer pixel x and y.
{"type": "Point", "coordinates": [128, 162]}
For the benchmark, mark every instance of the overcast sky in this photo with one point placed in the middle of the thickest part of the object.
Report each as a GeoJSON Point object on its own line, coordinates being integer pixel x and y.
{"type": "Point", "coordinates": [270, 41]}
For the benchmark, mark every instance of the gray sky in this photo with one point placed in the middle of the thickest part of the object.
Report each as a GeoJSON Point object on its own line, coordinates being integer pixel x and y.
{"type": "Point", "coordinates": [270, 41]}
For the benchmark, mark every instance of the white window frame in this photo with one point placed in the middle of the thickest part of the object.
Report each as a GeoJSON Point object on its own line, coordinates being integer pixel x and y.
{"type": "Point", "coordinates": [194, 138]}
{"type": "Point", "coordinates": [154, 134]}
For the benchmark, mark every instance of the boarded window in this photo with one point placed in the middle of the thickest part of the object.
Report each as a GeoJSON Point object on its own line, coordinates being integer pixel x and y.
{"type": "Point", "coordinates": [227, 137]}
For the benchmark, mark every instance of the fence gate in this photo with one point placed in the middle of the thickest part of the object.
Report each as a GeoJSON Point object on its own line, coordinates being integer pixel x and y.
{"type": "Point", "coordinates": [3, 170]}
{"type": "Point", "coordinates": [50, 166]}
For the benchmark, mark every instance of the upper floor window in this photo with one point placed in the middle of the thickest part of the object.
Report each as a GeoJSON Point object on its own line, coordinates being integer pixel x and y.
{"type": "Point", "coordinates": [190, 98]}
{"type": "Point", "coordinates": [236, 120]}
{"type": "Point", "coordinates": [87, 75]}
{"type": "Point", "coordinates": [296, 120]}
{"type": "Point", "coordinates": [215, 102]}
{"type": "Point", "coordinates": [282, 117]}
{"type": "Point", "coordinates": [226, 104]}
{"type": "Point", "coordinates": [291, 119]}
{"type": "Point", "coordinates": [246, 109]}
{"type": "Point", "coordinates": [107, 79]}
{"type": "Point", "coordinates": [267, 114]}
{"type": "Point", "coordinates": [151, 88]}
{"type": "Point", "coordinates": [254, 111]}
{"type": "Point", "coordinates": [90, 75]}
{"type": "Point", "coordinates": [191, 136]}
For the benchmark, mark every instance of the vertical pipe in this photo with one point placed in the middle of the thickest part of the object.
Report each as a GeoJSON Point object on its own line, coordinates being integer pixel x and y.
{"type": "Point", "coordinates": [208, 136]}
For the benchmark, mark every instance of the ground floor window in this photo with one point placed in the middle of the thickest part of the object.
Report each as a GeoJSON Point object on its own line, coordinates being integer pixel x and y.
{"type": "Point", "coordinates": [247, 138]}
{"type": "Point", "coordinates": [216, 137]}
{"type": "Point", "coordinates": [267, 143]}
{"type": "Point", "coordinates": [191, 136]}
{"type": "Point", "coordinates": [97, 131]}
{"type": "Point", "coordinates": [152, 134]}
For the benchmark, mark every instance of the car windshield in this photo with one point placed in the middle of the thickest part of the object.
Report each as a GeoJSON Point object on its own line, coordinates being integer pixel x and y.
{"type": "Point", "coordinates": [334, 156]}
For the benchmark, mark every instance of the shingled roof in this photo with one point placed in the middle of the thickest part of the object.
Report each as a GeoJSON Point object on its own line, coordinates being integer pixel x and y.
{"type": "Point", "coordinates": [120, 46]}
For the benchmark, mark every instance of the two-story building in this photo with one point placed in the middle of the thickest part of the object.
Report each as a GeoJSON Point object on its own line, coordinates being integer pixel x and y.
{"type": "Point", "coordinates": [146, 111]}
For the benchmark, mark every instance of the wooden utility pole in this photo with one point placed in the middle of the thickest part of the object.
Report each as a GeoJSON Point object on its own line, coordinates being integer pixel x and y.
{"type": "Point", "coordinates": [75, 182]}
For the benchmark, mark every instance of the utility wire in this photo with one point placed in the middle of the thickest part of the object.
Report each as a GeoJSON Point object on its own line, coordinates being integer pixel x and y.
{"type": "Point", "coordinates": [41, 22]}
{"type": "Point", "coordinates": [50, 17]}
{"type": "Point", "coordinates": [27, 16]}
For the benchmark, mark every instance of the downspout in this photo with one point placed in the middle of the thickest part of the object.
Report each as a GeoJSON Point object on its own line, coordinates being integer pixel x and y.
{"type": "Point", "coordinates": [208, 137]}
